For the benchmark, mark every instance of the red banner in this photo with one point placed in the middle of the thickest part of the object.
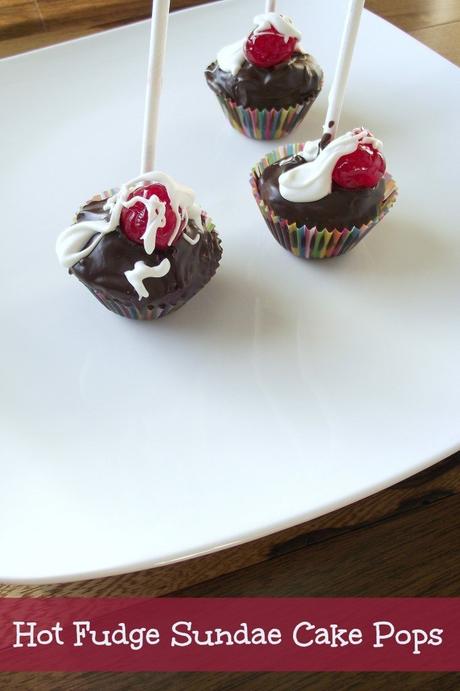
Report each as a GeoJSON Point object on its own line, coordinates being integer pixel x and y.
{"type": "Point", "coordinates": [223, 634]}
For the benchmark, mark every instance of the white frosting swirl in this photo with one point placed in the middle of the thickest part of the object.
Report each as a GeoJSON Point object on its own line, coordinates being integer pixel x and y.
{"type": "Point", "coordinates": [312, 180]}
{"type": "Point", "coordinates": [79, 240]}
{"type": "Point", "coordinates": [231, 58]}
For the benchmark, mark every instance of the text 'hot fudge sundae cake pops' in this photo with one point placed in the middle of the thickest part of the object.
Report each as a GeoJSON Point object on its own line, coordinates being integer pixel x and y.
{"type": "Point", "coordinates": [320, 202]}
{"type": "Point", "coordinates": [144, 250]}
{"type": "Point", "coordinates": [265, 82]}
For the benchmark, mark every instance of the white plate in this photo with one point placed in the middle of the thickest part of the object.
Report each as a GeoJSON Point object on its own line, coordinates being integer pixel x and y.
{"type": "Point", "coordinates": [286, 388]}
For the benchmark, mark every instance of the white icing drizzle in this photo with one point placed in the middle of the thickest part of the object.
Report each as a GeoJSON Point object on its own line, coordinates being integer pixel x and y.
{"type": "Point", "coordinates": [194, 214]}
{"type": "Point", "coordinates": [231, 58]}
{"type": "Point", "coordinates": [141, 271]}
{"type": "Point", "coordinates": [191, 241]}
{"type": "Point", "coordinates": [156, 214]}
{"type": "Point", "coordinates": [312, 180]}
{"type": "Point", "coordinates": [72, 244]}
{"type": "Point", "coordinates": [310, 150]}
{"type": "Point", "coordinates": [280, 22]}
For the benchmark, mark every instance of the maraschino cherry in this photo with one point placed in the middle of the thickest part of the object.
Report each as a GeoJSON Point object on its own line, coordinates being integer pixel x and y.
{"type": "Point", "coordinates": [365, 167]}
{"type": "Point", "coordinates": [133, 220]}
{"type": "Point", "coordinates": [269, 48]}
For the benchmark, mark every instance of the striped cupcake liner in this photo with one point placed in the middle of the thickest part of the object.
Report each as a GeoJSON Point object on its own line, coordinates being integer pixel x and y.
{"type": "Point", "coordinates": [141, 312]}
{"type": "Point", "coordinates": [314, 243]}
{"type": "Point", "coordinates": [265, 124]}
{"type": "Point", "coordinates": [148, 313]}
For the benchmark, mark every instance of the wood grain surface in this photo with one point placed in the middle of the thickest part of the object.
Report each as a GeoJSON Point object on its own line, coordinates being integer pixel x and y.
{"type": "Point", "coordinates": [28, 24]}
{"type": "Point", "coordinates": [413, 552]}
{"type": "Point", "coordinates": [402, 541]}
{"type": "Point", "coordinates": [432, 486]}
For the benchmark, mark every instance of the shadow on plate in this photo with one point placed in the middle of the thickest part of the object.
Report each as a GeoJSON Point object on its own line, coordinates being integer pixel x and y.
{"type": "Point", "coordinates": [231, 308]}
{"type": "Point", "coordinates": [397, 248]}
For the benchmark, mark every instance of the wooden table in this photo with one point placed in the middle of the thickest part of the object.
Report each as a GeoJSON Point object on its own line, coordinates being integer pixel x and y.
{"type": "Point", "coordinates": [402, 541]}
{"type": "Point", "coordinates": [28, 24]}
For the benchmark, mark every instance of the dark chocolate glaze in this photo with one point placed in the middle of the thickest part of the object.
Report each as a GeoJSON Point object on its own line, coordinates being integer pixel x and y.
{"type": "Point", "coordinates": [325, 140]}
{"type": "Point", "coordinates": [343, 208]}
{"type": "Point", "coordinates": [284, 85]}
{"type": "Point", "coordinates": [104, 269]}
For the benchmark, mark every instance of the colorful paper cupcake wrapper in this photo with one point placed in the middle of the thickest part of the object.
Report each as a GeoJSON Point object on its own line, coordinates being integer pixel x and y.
{"type": "Point", "coordinates": [132, 311]}
{"type": "Point", "coordinates": [141, 312]}
{"type": "Point", "coordinates": [313, 243]}
{"type": "Point", "coordinates": [265, 124]}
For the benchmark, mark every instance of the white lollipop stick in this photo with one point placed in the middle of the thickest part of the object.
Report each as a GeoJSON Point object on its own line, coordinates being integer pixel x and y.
{"type": "Point", "coordinates": [270, 6]}
{"type": "Point", "coordinates": [337, 92]}
{"type": "Point", "coordinates": [159, 28]}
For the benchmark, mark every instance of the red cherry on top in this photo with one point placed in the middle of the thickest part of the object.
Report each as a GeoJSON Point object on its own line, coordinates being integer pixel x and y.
{"type": "Point", "coordinates": [133, 221]}
{"type": "Point", "coordinates": [269, 48]}
{"type": "Point", "coordinates": [363, 168]}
